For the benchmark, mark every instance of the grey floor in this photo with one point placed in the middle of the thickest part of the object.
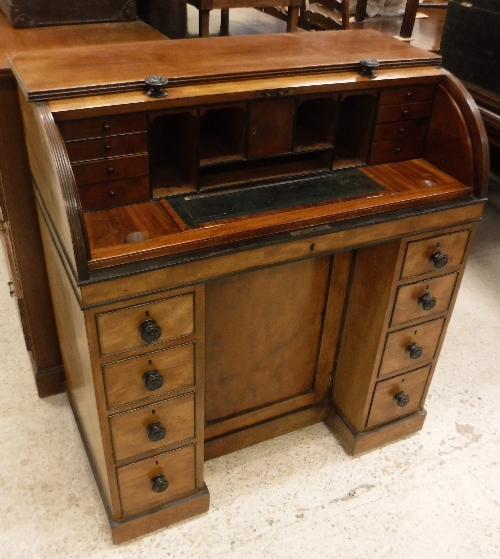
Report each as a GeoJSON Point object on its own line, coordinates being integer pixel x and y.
{"type": "Point", "coordinates": [436, 494]}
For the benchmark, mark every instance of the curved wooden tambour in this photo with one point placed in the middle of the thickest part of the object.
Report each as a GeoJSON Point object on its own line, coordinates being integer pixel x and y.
{"type": "Point", "coordinates": [457, 142]}
{"type": "Point", "coordinates": [56, 186]}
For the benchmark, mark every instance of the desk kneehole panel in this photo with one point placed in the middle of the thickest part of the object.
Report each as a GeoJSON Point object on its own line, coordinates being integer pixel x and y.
{"type": "Point", "coordinates": [149, 375]}
{"type": "Point", "coordinates": [150, 427]}
{"type": "Point", "coordinates": [154, 481]}
{"type": "Point", "coordinates": [398, 396]}
{"type": "Point", "coordinates": [411, 347]}
{"type": "Point", "coordinates": [422, 299]}
{"type": "Point", "coordinates": [435, 253]}
{"type": "Point", "coordinates": [145, 324]}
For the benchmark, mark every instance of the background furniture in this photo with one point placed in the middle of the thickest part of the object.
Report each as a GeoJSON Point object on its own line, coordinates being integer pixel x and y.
{"type": "Point", "coordinates": [205, 6]}
{"type": "Point", "coordinates": [248, 254]}
{"type": "Point", "coordinates": [19, 222]}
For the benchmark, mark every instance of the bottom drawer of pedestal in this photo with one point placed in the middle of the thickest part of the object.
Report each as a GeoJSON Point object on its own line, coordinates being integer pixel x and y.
{"type": "Point", "coordinates": [398, 396]}
{"type": "Point", "coordinates": [151, 482]}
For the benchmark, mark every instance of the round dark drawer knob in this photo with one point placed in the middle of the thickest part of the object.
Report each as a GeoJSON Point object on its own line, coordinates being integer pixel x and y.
{"type": "Point", "coordinates": [150, 331]}
{"type": "Point", "coordinates": [439, 259]}
{"type": "Point", "coordinates": [406, 112]}
{"type": "Point", "coordinates": [401, 399]}
{"type": "Point", "coordinates": [401, 130]}
{"type": "Point", "coordinates": [408, 95]}
{"type": "Point", "coordinates": [397, 150]}
{"type": "Point", "coordinates": [111, 171]}
{"type": "Point", "coordinates": [107, 128]}
{"type": "Point", "coordinates": [159, 484]}
{"type": "Point", "coordinates": [427, 301]}
{"type": "Point", "coordinates": [156, 432]}
{"type": "Point", "coordinates": [107, 147]}
{"type": "Point", "coordinates": [152, 380]}
{"type": "Point", "coordinates": [111, 193]}
{"type": "Point", "coordinates": [414, 351]}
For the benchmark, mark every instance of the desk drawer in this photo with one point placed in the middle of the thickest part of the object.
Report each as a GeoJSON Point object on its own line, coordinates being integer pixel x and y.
{"type": "Point", "coordinates": [100, 127]}
{"type": "Point", "coordinates": [114, 193]}
{"type": "Point", "coordinates": [435, 253]}
{"type": "Point", "coordinates": [136, 481]}
{"type": "Point", "coordinates": [146, 324]}
{"type": "Point", "coordinates": [411, 347]}
{"type": "Point", "coordinates": [101, 148]}
{"type": "Point", "coordinates": [150, 427]}
{"type": "Point", "coordinates": [111, 169]}
{"type": "Point", "coordinates": [398, 150]}
{"type": "Point", "coordinates": [400, 130]}
{"type": "Point", "coordinates": [419, 300]}
{"type": "Point", "coordinates": [398, 396]}
{"type": "Point", "coordinates": [149, 375]}
{"type": "Point", "coordinates": [410, 94]}
{"type": "Point", "coordinates": [408, 111]}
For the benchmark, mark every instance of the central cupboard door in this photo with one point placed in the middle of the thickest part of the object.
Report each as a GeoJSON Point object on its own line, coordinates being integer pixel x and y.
{"type": "Point", "coordinates": [270, 127]}
{"type": "Point", "coordinates": [270, 342]}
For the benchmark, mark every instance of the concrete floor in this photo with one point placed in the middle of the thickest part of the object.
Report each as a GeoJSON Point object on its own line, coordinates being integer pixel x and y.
{"type": "Point", "coordinates": [433, 495]}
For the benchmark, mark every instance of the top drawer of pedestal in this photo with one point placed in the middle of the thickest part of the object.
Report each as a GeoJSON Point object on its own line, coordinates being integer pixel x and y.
{"type": "Point", "coordinates": [435, 253]}
{"type": "Point", "coordinates": [145, 325]}
{"type": "Point", "coordinates": [102, 127]}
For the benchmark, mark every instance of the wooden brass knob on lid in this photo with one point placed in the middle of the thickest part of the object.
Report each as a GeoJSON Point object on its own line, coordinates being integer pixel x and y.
{"type": "Point", "coordinates": [414, 350]}
{"type": "Point", "coordinates": [427, 301]}
{"type": "Point", "coordinates": [368, 67]}
{"type": "Point", "coordinates": [152, 379]}
{"type": "Point", "coordinates": [439, 259]}
{"type": "Point", "coordinates": [150, 331]}
{"type": "Point", "coordinates": [155, 86]}
{"type": "Point", "coordinates": [156, 432]}
{"type": "Point", "coordinates": [401, 399]}
{"type": "Point", "coordinates": [159, 484]}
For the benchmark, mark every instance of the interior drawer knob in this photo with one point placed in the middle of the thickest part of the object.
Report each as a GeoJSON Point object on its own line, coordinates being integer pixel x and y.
{"type": "Point", "coordinates": [156, 432]}
{"type": "Point", "coordinates": [159, 484]}
{"type": "Point", "coordinates": [152, 379]}
{"type": "Point", "coordinates": [150, 331]}
{"type": "Point", "coordinates": [427, 301]}
{"type": "Point", "coordinates": [401, 399]}
{"type": "Point", "coordinates": [414, 351]}
{"type": "Point", "coordinates": [439, 259]}
{"type": "Point", "coordinates": [405, 113]}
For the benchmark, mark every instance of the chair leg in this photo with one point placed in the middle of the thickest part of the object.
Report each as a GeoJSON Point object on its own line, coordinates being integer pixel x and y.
{"type": "Point", "coordinates": [224, 21]}
{"type": "Point", "coordinates": [409, 19]}
{"type": "Point", "coordinates": [361, 10]}
{"type": "Point", "coordinates": [204, 19]}
{"type": "Point", "coordinates": [292, 19]}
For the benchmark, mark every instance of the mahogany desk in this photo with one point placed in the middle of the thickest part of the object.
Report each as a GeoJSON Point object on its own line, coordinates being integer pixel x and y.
{"type": "Point", "coordinates": [18, 219]}
{"type": "Point", "coordinates": [275, 240]}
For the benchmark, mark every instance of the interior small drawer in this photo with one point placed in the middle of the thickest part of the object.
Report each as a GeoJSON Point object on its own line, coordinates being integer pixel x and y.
{"type": "Point", "coordinates": [159, 479]}
{"type": "Point", "coordinates": [410, 94]}
{"type": "Point", "coordinates": [411, 347]}
{"type": "Point", "coordinates": [99, 127]}
{"type": "Point", "coordinates": [424, 298]}
{"type": "Point", "coordinates": [102, 148]}
{"type": "Point", "coordinates": [146, 324]}
{"type": "Point", "coordinates": [105, 170]}
{"type": "Point", "coordinates": [114, 193]}
{"type": "Point", "coordinates": [149, 375]}
{"type": "Point", "coordinates": [151, 427]}
{"type": "Point", "coordinates": [435, 253]}
{"type": "Point", "coordinates": [384, 152]}
{"type": "Point", "coordinates": [402, 130]}
{"type": "Point", "coordinates": [398, 396]}
{"type": "Point", "coordinates": [408, 111]}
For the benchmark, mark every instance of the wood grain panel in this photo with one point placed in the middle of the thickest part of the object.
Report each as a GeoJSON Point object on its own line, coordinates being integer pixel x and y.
{"type": "Point", "coordinates": [418, 253]}
{"type": "Point", "coordinates": [119, 330]}
{"type": "Point", "coordinates": [124, 380]}
{"type": "Point", "coordinates": [384, 406]}
{"type": "Point", "coordinates": [129, 429]}
{"type": "Point", "coordinates": [424, 335]}
{"type": "Point", "coordinates": [407, 307]}
{"type": "Point", "coordinates": [134, 480]}
{"type": "Point", "coordinates": [263, 331]}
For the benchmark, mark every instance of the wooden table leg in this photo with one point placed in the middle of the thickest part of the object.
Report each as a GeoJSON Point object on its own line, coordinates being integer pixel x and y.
{"type": "Point", "coordinates": [409, 19]}
{"type": "Point", "coordinates": [224, 21]}
{"type": "Point", "coordinates": [293, 18]}
{"type": "Point", "coordinates": [360, 10]}
{"type": "Point", "coordinates": [204, 19]}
